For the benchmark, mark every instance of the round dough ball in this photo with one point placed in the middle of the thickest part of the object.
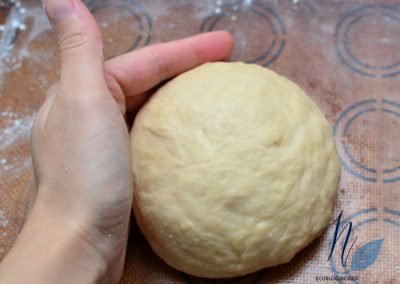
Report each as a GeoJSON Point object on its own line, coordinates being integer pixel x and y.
{"type": "Point", "coordinates": [235, 170]}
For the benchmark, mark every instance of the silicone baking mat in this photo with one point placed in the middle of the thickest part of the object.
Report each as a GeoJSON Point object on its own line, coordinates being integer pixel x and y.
{"type": "Point", "coordinates": [344, 54]}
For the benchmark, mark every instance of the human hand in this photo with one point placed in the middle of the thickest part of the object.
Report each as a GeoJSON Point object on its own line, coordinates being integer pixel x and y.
{"type": "Point", "coordinates": [78, 226]}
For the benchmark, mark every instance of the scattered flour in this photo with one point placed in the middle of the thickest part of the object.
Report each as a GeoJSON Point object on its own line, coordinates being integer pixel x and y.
{"type": "Point", "coordinates": [15, 23]}
{"type": "Point", "coordinates": [10, 58]}
{"type": "Point", "coordinates": [3, 224]}
{"type": "Point", "coordinates": [16, 131]}
{"type": "Point", "coordinates": [18, 128]}
{"type": "Point", "coordinates": [3, 219]}
{"type": "Point", "coordinates": [247, 3]}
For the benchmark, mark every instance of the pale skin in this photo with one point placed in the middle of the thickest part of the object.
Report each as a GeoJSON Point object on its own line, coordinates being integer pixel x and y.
{"type": "Point", "coordinates": [77, 228]}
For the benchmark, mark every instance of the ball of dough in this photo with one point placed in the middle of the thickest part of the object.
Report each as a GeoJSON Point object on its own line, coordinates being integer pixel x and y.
{"type": "Point", "coordinates": [235, 170]}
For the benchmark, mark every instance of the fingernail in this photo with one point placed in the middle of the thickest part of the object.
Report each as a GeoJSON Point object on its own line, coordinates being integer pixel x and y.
{"type": "Point", "coordinates": [57, 9]}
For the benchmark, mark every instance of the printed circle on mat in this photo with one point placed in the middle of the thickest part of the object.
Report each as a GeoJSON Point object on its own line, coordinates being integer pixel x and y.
{"type": "Point", "coordinates": [258, 30]}
{"type": "Point", "coordinates": [125, 26]}
{"type": "Point", "coordinates": [372, 247]}
{"type": "Point", "coordinates": [252, 278]}
{"type": "Point", "coordinates": [367, 40]}
{"type": "Point", "coordinates": [366, 147]}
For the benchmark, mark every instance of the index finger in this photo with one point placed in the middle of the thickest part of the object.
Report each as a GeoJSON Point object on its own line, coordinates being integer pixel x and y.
{"type": "Point", "coordinates": [140, 70]}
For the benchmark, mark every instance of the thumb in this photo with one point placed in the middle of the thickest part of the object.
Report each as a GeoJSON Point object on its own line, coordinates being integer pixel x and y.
{"type": "Point", "coordinates": [80, 45]}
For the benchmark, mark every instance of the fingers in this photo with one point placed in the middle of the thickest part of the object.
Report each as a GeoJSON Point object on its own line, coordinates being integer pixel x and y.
{"type": "Point", "coordinates": [140, 70]}
{"type": "Point", "coordinates": [80, 45]}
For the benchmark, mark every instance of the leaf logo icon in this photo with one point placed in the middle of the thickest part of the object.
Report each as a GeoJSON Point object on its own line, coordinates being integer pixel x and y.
{"type": "Point", "coordinates": [366, 255]}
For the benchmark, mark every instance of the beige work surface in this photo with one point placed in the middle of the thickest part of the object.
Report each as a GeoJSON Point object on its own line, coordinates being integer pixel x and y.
{"type": "Point", "coordinates": [344, 54]}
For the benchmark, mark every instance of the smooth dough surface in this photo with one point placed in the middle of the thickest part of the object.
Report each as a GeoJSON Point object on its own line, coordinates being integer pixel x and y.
{"type": "Point", "coordinates": [235, 169]}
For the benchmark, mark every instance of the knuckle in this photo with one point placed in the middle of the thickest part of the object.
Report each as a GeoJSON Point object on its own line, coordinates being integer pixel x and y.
{"type": "Point", "coordinates": [163, 69]}
{"type": "Point", "coordinates": [73, 42]}
{"type": "Point", "coordinates": [76, 33]}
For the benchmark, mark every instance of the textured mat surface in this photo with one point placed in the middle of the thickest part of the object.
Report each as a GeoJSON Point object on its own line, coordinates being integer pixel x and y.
{"type": "Point", "coordinates": [344, 54]}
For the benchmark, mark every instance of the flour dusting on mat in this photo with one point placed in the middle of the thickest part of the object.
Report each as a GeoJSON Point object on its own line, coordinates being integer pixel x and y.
{"type": "Point", "coordinates": [17, 128]}
{"type": "Point", "coordinates": [247, 3]}
{"type": "Point", "coordinates": [3, 223]}
{"type": "Point", "coordinates": [10, 30]}
{"type": "Point", "coordinates": [15, 125]}
{"type": "Point", "coordinates": [15, 132]}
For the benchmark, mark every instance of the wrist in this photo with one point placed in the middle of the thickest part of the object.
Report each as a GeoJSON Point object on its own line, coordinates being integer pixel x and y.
{"type": "Point", "coordinates": [51, 249]}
